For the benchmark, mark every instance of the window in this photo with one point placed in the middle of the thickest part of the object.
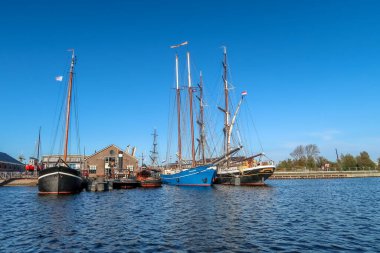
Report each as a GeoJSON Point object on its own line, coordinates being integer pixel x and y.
{"type": "Point", "coordinates": [73, 165]}
{"type": "Point", "coordinates": [109, 162]}
{"type": "Point", "coordinates": [92, 169]}
{"type": "Point", "coordinates": [74, 159]}
{"type": "Point", "coordinates": [130, 167]}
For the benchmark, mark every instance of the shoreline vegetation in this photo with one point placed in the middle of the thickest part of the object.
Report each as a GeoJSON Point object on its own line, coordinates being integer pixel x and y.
{"type": "Point", "coordinates": [308, 158]}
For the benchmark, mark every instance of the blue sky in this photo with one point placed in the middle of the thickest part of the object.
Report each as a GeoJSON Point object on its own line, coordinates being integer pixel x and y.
{"type": "Point", "coordinates": [311, 69]}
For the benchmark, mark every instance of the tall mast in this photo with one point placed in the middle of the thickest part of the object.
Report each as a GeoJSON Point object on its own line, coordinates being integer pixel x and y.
{"type": "Point", "coordinates": [69, 104]}
{"type": "Point", "coordinates": [226, 110]}
{"type": "Point", "coordinates": [190, 89]}
{"type": "Point", "coordinates": [39, 145]}
{"type": "Point", "coordinates": [228, 123]}
{"type": "Point", "coordinates": [178, 95]}
{"type": "Point", "coordinates": [201, 119]}
{"type": "Point", "coordinates": [142, 159]}
{"type": "Point", "coordinates": [230, 127]}
{"type": "Point", "coordinates": [154, 153]}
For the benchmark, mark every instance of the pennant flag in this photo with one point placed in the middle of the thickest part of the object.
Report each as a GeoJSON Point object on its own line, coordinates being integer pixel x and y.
{"type": "Point", "coordinates": [59, 78]}
{"type": "Point", "coordinates": [179, 45]}
{"type": "Point", "coordinates": [244, 93]}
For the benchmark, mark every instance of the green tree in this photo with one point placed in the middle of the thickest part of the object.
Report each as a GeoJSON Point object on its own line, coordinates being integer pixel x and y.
{"type": "Point", "coordinates": [378, 163]}
{"type": "Point", "coordinates": [285, 164]}
{"type": "Point", "coordinates": [347, 161]}
{"type": "Point", "coordinates": [364, 161]}
{"type": "Point", "coordinates": [310, 162]}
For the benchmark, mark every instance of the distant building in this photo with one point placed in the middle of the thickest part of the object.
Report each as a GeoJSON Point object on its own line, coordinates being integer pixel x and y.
{"type": "Point", "coordinates": [74, 161]}
{"type": "Point", "coordinates": [9, 164]}
{"type": "Point", "coordinates": [111, 162]}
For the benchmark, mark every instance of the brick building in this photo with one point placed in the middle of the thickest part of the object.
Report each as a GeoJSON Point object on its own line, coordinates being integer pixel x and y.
{"type": "Point", "coordinates": [9, 164]}
{"type": "Point", "coordinates": [111, 162]}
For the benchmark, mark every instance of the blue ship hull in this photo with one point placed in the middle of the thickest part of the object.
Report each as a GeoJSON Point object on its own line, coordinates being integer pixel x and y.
{"type": "Point", "coordinates": [198, 176]}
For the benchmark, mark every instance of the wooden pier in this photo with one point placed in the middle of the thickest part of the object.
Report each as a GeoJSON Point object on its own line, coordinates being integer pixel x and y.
{"type": "Point", "coordinates": [324, 174]}
{"type": "Point", "coordinates": [17, 179]}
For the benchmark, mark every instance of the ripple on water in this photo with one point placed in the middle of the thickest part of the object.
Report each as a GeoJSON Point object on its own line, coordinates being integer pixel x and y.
{"type": "Point", "coordinates": [287, 216]}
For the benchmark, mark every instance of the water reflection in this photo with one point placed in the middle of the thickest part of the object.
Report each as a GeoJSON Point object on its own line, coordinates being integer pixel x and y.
{"type": "Point", "coordinates": [289, 215]}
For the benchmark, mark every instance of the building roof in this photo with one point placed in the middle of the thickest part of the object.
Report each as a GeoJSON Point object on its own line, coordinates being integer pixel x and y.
{"type": "Point", "coordinates": [112, 145]}
{"type": "Point", "coordinates": [5, 158]}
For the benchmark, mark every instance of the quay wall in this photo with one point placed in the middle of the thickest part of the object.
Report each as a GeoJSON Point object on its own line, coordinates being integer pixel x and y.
{"type": "Point", "coordinates": [324, 174]}
{"type": "Point", "coordinates": [19, 182]}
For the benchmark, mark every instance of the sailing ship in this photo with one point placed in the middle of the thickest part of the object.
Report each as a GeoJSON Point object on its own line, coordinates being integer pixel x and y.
{"type": "Point", "coordinates": [149, 176]}
{"type": "Point", "coordinates": [187, 174]}
{"type": "Point", "coordinates": [252, 170]}
{"type": "Point", "coordinates": [34, 164]}
{"type": "Point", "coordinates": [61, 179]}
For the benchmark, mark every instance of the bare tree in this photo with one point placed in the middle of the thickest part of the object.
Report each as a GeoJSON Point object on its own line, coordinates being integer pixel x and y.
{"type": "Point", "coordinates": [298, 153]}
{"type": "Point", "coordinates": [312, 151]}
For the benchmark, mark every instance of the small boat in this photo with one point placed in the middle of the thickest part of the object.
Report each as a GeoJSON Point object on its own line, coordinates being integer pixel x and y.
{"type": "Point", "coordinates": [151, 182]}
{"type": "Point", "coordinates": [61, 179]}
{"type": "Point", "coordinates": [149, 176]}
{"type": "Point", "coordinates": [148, 179]}
{"type": "Point", "coordinates": [125, 183]}
{"type": "Point", "coordinates": [34, 164]}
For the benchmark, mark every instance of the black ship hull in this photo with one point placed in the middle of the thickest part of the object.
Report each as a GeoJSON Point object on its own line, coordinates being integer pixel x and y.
{"type": "Point", "coordinates": [248, 178]}
{"type": "Point", "coordinates": [60, 180]}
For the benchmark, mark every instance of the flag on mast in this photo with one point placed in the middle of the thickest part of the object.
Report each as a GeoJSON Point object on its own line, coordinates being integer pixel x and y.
{"type": "Point", "coordinates": [59, 78]}
{"type": "Point", "coordinates": [244, 93]}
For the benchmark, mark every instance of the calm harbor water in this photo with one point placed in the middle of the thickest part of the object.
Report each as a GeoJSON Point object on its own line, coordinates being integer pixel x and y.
{"type": "Point", "coordinates": [287, 216]}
